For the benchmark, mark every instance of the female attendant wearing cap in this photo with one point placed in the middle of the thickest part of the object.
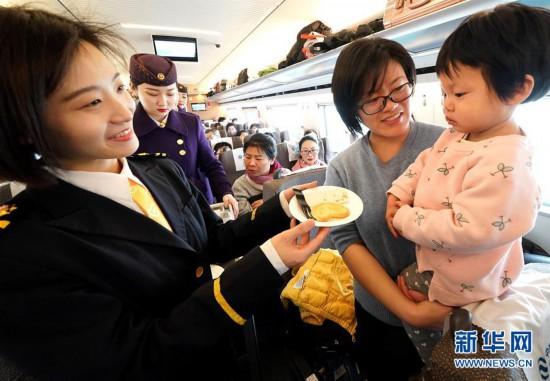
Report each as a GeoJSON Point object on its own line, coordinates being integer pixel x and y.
{"type": "Point", "coordinates": [182, 99]}
{"type": "Point", "coordinates": [104, 260]}
{"type": "Point", "coordinates": [178, 134]}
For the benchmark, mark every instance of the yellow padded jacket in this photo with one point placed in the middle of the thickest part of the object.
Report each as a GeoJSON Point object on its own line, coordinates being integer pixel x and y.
{"type": "Point", "coordinates": [323, 289]}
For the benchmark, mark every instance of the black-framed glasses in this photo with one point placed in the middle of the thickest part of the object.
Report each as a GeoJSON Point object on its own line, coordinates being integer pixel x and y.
{"type": "Point", "coordinates": [309, 151]}
{"type": "Point", "coordinates": [399, 94]}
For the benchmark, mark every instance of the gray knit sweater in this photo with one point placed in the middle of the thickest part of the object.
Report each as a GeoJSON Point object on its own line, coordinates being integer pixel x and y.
{"type": "Point", "coordinates": [244, 189]}
{"type": "Point", "coordinates": [359, 169]}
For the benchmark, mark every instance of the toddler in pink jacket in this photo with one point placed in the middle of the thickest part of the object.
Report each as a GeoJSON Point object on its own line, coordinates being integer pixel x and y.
{"type": "Point", "coordinates": [467, 201]}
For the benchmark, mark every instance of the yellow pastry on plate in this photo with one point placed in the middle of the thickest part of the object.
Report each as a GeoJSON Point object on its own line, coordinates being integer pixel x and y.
{"type": "Point", "coordinates": [327, 211]}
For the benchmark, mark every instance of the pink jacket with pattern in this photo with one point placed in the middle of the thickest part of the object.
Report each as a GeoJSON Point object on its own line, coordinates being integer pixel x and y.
{"type": "Point", "coordinates": [472, 203]}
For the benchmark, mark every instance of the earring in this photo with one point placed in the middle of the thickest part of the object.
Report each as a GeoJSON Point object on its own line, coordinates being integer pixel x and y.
{"type": "Point", "coordinates": [36, 156]}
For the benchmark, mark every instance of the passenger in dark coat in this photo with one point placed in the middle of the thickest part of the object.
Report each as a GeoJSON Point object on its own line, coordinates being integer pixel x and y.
{"type": "Point", "coordinates": [178, 134]}
{"type": "Point", "coordinates": [98, 280]}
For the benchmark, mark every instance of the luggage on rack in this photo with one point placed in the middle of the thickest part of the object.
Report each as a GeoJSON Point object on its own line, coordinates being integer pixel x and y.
{"type": "Point", "coordinates": [400, 11]}
{"type": "Point", "coordinates": [223, 84]}
{"type": "Point", "coordinates": [295, 54]}
{"type": "Point", "coordinates": [243, 77]}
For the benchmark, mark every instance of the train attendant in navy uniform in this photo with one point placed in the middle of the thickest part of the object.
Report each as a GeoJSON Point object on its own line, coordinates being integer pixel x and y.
{"type": "Point", "coordinates": [104, 260]}
{"type": "Point", "coordinates": [182, 99]}
{"type": "Point", "coordinates": [178, 134]}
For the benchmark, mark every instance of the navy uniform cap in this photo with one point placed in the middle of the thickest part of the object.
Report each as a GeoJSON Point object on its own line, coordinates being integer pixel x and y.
{"type": "Point", "coordinates": [151, 69]}
{"type": "Point", "coordinates": [182, 88]}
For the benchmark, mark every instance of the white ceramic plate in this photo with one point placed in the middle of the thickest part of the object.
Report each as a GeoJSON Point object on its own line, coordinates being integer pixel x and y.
{"type": "Point", "coordinates": [329, 193]}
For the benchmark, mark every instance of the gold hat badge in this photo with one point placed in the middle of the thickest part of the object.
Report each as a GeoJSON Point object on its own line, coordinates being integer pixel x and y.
{"type": "Point", "coordinates": [160, 76]}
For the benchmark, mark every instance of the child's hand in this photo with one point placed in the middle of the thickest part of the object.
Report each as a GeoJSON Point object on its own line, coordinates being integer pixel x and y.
{"type": "Point", "coordinates": [391, 208]}
{"type": "Point", "coordinates": [413, 295]}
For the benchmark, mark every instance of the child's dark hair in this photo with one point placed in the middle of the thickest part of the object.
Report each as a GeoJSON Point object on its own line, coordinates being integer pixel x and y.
{"type": "Point", "coordinates": [506, 43]}
{"type": "Point", "coordinates": [264, 142]}
{"type": "Point", "coordinates": [37, 50]}
{"type": "Point", "coordinates": [359, 69]}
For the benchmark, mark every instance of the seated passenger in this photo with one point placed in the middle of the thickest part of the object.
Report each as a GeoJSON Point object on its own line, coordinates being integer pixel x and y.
{"type": "Point", "coordinates": [104, 260]}
{"type": "Point", "coordinates": [220, 130]}
{"type": "Point", "coordinates": [309, 154]}
{"type": "Point", "coordinates": [220, 148]}
{"type": "Point", "coordinates": [259, 160]}
{"type": "Point", "coordinates": [231, 129]}
{"type": "Point", "coordinates": [253, 128]}
{"type": "Point", "coordinates": [243, 134]}
{"type": "Point", "coordinates": [211, 134]}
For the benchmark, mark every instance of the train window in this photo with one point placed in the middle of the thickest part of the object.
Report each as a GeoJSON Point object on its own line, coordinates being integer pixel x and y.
{"type": "Point", "coordinates": [251, 115]}
{"type": "Point", "coordinates": [531, 117]}
{"type": "Point", "coordinates": [426, 101]}
{"type": "Point", "coordinates": [334, 128]}
{"type": "Point", "coordinates": [287, 118]}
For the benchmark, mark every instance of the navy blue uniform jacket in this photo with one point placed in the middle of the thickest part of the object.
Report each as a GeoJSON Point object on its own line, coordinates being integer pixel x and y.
{"type": "Point", "coordinates": [184, 141]}
{"type": "Point", "coordinates": [92, 290]}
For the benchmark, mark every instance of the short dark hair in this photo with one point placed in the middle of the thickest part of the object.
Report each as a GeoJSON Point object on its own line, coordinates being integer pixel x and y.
{"type": "Point", "coordinates": [360, 68]}
{"type": "Point", "coordinates": [264, 142]}
{"type": "Point", "coordinates": [305, 138]}
{"type": "Point", "coordinates": [219, 145]}
{"type": "Point", "coordinates": [506, 43]}
{"type": "Point", "coordinates": [38, 48]}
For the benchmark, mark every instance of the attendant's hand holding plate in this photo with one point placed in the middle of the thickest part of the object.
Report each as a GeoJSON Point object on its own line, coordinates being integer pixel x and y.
{"type": "Point", "coordinates": [325, 201]}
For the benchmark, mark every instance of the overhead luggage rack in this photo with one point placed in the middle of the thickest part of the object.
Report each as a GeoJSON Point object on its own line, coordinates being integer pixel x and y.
{"type": "Point", "coordinates": [421, 37]}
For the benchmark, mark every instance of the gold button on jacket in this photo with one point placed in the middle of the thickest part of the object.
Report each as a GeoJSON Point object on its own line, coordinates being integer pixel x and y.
{"type": "Point", "coordinates": [199, 271]}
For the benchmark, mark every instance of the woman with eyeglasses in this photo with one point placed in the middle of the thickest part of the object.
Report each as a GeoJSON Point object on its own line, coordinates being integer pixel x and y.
{"type": "Point", "coordinates": [309, 154]}
{"type": "Point", "coordinates": [260, 152]}
{"type": "Point", "coordinates": [372, 84]}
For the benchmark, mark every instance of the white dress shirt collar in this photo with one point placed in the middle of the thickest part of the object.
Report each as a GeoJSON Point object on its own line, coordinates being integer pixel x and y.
{"type": "Point", "coordinates": [114, 186]}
